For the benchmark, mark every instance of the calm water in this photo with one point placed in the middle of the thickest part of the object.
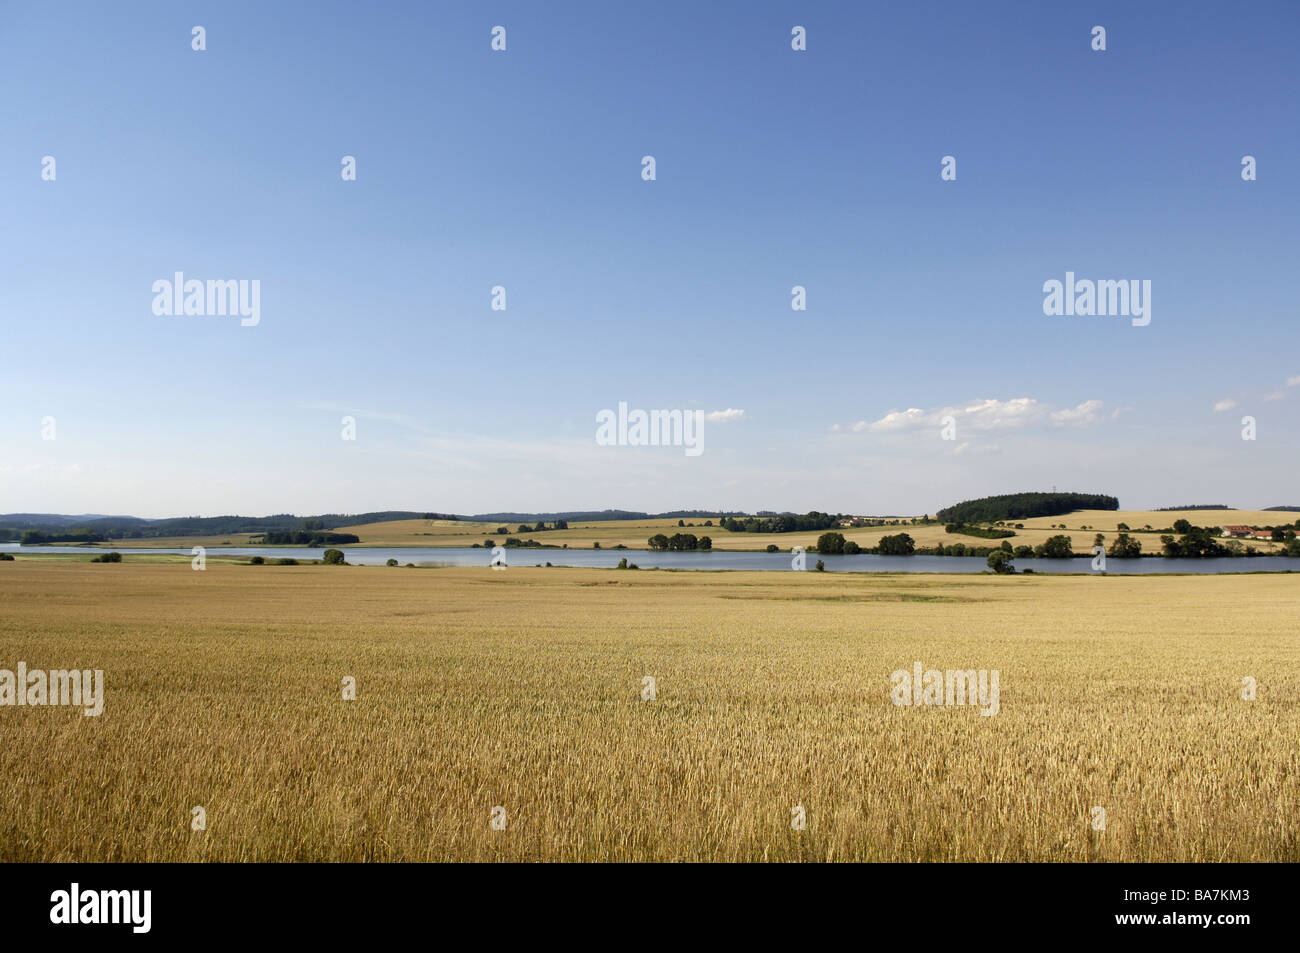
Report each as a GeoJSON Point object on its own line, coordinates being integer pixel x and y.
{"type": "Point", "coordinates": [608, 559]}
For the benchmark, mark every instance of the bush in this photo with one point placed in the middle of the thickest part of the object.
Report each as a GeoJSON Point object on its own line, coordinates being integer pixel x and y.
{"type": "Point", "coordinates": [1125, 547]}
{"type": "Point", "coordinates": [901, 545]}
{"type": "Point", "coordinates": [622, 563]}
{"type": "Point", "coordinates": [6, 558]}
{"type": "Point", "coordinates": [830, 543]}
{"type": "Point", "coordinates": [286, 561]}
{"type": "Point", "coordinates": [256, 561]}
{"type": "Point", "coordinates": [851, 547]}
{"type": "Point", "coordinates": [1000, 562]}
{"type": "Point", "coordinates": [821, 566]}
{"type": "Point", "coordinates": [771, 548]}
{"type": "Point", "coordinates": [1057, 547]}
{"type": "Point", "coordinates": [333, 557]}
{"type": "Point", "coordinates": [108, 558]}
{"type": "Point", "coordinates": [391, 562]}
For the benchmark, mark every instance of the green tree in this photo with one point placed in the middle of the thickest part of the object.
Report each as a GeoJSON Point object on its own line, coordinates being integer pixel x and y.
{"type": "Point", "coordinates": [900, 544]}
{"type": "Point", "coordinates": [333, 557]}
{"type": "Point", "coordinates": [1000, 562]}
{"type": "Point", "coordinates": [1125, 547]}
{"type": "Point", "coordinates": [1056, 547]}
{"type": "Point", "coordinates": [830, 543]}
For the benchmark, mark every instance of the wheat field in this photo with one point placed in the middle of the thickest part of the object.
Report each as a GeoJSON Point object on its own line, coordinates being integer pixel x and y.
{"type": "Point", "coordinates": [522, 690]}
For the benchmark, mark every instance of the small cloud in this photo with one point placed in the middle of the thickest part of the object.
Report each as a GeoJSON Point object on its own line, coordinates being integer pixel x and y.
{"type": "Point", "coordinates": [1086, 413]}
{"type": "Point", "coordinates": [1226, 404]}
{"type": "Point", "coordinates": [1293, 381]}
{"type": "Point", "coordinates": [723, 416]}
{"type": "Point", "coordinates": [894, 420]}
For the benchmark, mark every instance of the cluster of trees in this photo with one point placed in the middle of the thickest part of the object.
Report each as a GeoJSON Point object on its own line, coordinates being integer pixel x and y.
{"type": "Point", "coordinates": [309, 538]}
{"type": "Point", "coordinates": [898, 545]}
{"type": "Point", "coordinates": [1125, 547]}
{"type": "Point", "coordinates": [680, 542]}
{"type": "Point", "coordinates": [1013, 506]}
{"type": "Point", "coordinates": [1197, 543]}
{"type": "Point", "coordinates": [36, 537]}
{"type": "Point", "coordinates": [779, 523]}
{"type": "Point", "coordinates": [983, 532]}
{"type": "Point", "coordinates": [540, 527]}
{"type": "Point", "coordinates": [834, 544]}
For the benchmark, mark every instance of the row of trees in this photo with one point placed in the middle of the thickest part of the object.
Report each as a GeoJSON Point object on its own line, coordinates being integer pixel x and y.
{"type": "Point", "coordinates": [780, 523]}
{"type": "Point", "coordinates": [541, 527]}
{"type": "Point", "coordinates": [308, 538]}
{"type": "Point", "coordinates": [1013, 506]}
{"type": "Point", "coordinates": [680, 542]}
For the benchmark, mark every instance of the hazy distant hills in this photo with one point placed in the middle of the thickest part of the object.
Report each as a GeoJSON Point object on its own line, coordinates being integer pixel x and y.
{"type": "Point", "coordinates": [135, 527]}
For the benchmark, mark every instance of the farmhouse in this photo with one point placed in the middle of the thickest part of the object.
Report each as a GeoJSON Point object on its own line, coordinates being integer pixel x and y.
{"type": "Point", "coordinates": [1238, 531]}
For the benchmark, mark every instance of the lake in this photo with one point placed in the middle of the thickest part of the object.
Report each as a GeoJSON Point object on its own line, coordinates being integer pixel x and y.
{"type": "Point", "coordinates": [716, 559]}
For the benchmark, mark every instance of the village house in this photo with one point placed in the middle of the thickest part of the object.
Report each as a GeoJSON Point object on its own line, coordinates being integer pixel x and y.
{"type": "Point", "coordinates": [1238, 531]}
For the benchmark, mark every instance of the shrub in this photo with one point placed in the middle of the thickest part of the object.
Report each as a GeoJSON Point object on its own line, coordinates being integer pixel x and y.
{"type": "Point", "coordinates": [622, 563]}
{"type": "Point", "coordinates": [333, 557]}
{"type": "Point", "coordinates": [851, 547]}
{"type": "Point", "coordinates": [1125, 547]}
{"type": "Point", "coordinates": [1057, 547]}
{"type": "Point", "coordinates": [6, 558]}
{"type": "Point", "coordinates": [108, 558]}
{"type": "Point", "coordinates": [821, 566]}
{"type": "Point", "coordinates": [773, 548]}
{"type": "Point", "coordinates": [391, 562]}
{"type": "Point", "coordinates": [830, 543]}
{"type": "Point", "coordinates": [286, 561]}
{"type": "Point", "coordinates": [901, 545]}
{"type": "Point", "coordinates": [256, 561]}
{"type": "Point", "coordinates": [1000, 562]}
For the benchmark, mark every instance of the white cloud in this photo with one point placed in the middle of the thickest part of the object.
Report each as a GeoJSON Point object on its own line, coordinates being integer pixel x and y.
{"type": "Point", "coordinates": [1293, 381]}
{"type": "Point", "coordinates": [1226, 404]}
{"type": "Point", "coordinates": [986, 414]}
{"type": "Point", "coordinates": [722, 416]}
{"type": "Point", "coordinates": [1086, 413]}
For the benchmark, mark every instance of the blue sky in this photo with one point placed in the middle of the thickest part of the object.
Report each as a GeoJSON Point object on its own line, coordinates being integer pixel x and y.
{"type": "Point", "coordinates": [522, 168]}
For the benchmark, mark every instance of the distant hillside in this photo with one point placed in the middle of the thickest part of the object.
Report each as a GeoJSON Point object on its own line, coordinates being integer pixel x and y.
{"type": "Point", "coordinates": [1200, 506]}
{"type": "Point", "coordinates": [1018, 506]}
{"type": "Point", "coordinates": [13, 525]}
{"type": "Point", "coordinates": [1282, 509]}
